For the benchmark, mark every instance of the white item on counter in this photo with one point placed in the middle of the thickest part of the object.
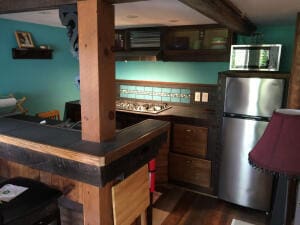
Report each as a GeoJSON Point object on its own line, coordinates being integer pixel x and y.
{"type": "Point", "coordinates": [10, 191]}
{"type": "Point", "coordinates": [7, 102]}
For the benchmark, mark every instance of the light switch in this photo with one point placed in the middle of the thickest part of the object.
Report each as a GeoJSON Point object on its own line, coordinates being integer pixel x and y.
{"type": "Point", "coordinates": [197, 96]}
{"type": "Point", "coordinates": [204, 97]}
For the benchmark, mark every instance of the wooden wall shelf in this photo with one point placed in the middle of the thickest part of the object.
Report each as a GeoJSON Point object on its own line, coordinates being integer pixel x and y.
{"type": "Point", "coordinates": [31, 53]}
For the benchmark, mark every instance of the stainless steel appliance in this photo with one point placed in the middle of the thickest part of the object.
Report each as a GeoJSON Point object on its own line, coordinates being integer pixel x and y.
{"type": "Point", "coordinates": [249, 103]}
{"type": "Point", "coordinates": [255, 57]}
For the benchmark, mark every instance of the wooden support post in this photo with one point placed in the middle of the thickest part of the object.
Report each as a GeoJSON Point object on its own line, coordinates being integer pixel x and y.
{"type": "Point", "coordinates": [97, 69]}
{"type": "Point", "coordinates": [97, 205]}
{"type": "Point", "coordinates": [294, 87]}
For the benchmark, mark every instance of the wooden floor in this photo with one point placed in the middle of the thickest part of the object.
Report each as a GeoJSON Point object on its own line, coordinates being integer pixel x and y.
{"type": "Point", "coordinates": [175, 206]}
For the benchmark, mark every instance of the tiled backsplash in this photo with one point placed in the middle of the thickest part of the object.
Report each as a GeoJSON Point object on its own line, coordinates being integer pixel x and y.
{"type": "Point", "coordinates": [202, 95]}
{"type": "Point", "coordinates": [163, 94]}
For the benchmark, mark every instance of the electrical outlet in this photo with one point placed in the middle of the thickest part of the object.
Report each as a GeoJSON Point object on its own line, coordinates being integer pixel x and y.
{"type": "Point", "coordinates": [204, 97]}
{"type": "Point", "coordinates": [197, 96]}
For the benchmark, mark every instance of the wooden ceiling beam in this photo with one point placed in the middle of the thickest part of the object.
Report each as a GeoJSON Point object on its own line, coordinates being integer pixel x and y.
{"type": "Point", "coordinates": [14, 6]}
{"type": "Point", "coordinates": [224, 12]}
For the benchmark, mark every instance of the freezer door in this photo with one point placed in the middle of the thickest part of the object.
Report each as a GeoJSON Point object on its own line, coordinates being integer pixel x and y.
{"type": "Point", "coordinates": [253, 96]}
{"type": "Point", "coordinates": [239, 182]}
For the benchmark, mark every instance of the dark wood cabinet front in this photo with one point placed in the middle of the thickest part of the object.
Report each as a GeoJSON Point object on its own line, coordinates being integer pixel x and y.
{"type": "Point", "coordinates": [197, 43]}
{"type": "Point", "coordinates": [190, 140]}
{"type": "Point", "coordinates": [189, 170]}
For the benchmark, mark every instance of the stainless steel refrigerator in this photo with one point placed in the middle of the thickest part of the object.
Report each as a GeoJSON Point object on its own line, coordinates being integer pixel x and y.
{"type": "Point", "coordinates": [249, 103]}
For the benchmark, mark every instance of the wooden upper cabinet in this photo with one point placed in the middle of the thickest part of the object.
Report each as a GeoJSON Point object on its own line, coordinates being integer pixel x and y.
{"type": "Point", "coordinates": [207, 43]}
{"type": "Point", "coordinates": [138, 39]}
{"type": "Point", "coordinates": [190, 140]}
{"type": "Point", "coordinates": [197, 43]}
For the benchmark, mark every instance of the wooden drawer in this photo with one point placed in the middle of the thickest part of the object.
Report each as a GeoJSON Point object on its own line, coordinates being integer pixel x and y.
{"type": "Point", "coordinates": [190, 140]}
{"type": "Point", "coordinates": [189, 169]}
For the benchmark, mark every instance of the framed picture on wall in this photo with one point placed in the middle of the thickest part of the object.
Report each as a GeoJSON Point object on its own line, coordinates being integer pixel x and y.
{"type": "Point", "coordinates": [24, 39]}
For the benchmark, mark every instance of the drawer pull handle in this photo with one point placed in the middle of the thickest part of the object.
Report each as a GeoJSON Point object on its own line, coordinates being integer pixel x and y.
{"type": "Point", "coordinates": [188, 130]}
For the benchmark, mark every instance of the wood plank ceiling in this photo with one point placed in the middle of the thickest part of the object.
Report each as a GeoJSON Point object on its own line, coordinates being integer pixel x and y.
{"type": "Point", "coordinates": [223, 12]}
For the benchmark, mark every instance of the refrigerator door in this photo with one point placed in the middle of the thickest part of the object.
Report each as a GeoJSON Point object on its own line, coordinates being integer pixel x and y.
{"type": "Point", "coordinates": [239, 182]}
{"type": "Point", "coordinates": [253, 96]}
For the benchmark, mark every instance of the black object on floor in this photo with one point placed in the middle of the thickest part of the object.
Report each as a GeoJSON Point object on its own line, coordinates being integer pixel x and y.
{"type": "Point", "coordinates": [37, 205]}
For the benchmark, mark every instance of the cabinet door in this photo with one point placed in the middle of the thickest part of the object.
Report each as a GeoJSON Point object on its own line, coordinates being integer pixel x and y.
{"type": "Point", "coordinates": [205, 43]}
{"type": "Point", "coordinates": [189, 170]}
{"type": "Point", "coordinates": [190, 140]}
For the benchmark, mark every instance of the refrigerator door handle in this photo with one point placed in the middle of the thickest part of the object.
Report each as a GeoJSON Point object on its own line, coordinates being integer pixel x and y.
{"type": "Point", "coordinates": [248, 117]}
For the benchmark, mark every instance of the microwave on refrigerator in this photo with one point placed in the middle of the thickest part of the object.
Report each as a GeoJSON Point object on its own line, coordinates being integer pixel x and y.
{"type": "Point", "coordinates": [264, 57]}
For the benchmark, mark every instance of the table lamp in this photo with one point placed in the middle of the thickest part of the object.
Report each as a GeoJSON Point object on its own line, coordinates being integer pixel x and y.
{"type": "Point", "coordinates": [278, 152]}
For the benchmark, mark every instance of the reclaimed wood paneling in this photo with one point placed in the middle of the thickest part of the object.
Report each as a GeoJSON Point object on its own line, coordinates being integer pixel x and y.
{"type": "Point", "coordinates": [72, 188]}
{"type": "Point", "coordinates": [294, 88]}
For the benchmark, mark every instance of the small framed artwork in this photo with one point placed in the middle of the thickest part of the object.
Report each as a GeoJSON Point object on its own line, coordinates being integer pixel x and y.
{"type": "Point", "coordinates": [24, 39]}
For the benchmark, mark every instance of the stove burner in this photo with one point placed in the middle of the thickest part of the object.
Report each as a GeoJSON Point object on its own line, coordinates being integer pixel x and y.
{"type": "Point", "coordinates": [142, 107]}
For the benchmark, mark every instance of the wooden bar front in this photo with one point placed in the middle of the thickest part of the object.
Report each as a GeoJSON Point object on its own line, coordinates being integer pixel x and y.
{"type": "Point", "coordinates": [86, 170]}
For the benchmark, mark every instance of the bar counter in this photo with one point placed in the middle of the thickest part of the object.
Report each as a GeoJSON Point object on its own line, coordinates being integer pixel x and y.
{"type": "Point", "coordinates": [59, 157]}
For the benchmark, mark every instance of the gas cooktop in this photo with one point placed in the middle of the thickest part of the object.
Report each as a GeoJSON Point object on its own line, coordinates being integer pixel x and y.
{"type": "Point", "coordinates": [142, 106]}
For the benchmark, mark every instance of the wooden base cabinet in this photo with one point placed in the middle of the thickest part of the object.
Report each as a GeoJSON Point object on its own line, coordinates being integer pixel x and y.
{"type": "Point", "coordinates": [190, 140]}
{"type": "Point", "coordinates": [189, 170]}
{"type": "Point", "coordinates": [188, 162]}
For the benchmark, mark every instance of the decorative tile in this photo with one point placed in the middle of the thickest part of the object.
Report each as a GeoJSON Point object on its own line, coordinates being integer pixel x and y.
{"type": "Point", "coordinates": [165, 94]}
{"type": "Point", "coordinates": [124, 87]}
{"type": "Point", "coordinates": [140, 96]}
{"type": "Point", "coordinates": [156, 98]}
{"type": "Point", "coordinates": [156, 90]}
{"type": "Point", "coordinates": [140, 88]}
{"type": "Point", "coordinates": [131, 88]}
{"type": "Point", "coordinates": [166, 90]}
{"type": "Point", "coordinates": [131, 95]}
{"type": "Point", "coordinates": [150, 89]}
{"type": "Point", "coordinates": [148, 97]}
{"type": "Point", "coordinates": [166, 99]}
{"type": "Point", "coordinates": [175, 100]}
{"type": "Point", "coordinates": [123, 95]}
{"type": "Point", "coordinates": [175, 91]}
{"type": "Point", "coordinates": [185, 100]}
{"type": "Point", "coordinates": [185, 91]}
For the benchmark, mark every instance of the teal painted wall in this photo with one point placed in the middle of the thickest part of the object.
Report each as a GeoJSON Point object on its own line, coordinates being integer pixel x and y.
{"type": "Point", "coordinates": [201, 72]}
{"type": "Point", "coordinates": [184, 72]}
{"type": "Point", "coordinates": [47, 84]}
{"type": "Point", "coordinates": [284, 34]}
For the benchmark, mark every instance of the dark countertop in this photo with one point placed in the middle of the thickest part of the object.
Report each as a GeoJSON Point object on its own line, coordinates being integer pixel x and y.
{"type": "Point", "coordinates": [62, 151]}
{"type": "Point", "coordinates": [194, 115]}
{"type": "Point", "coordinates": [198, 114]}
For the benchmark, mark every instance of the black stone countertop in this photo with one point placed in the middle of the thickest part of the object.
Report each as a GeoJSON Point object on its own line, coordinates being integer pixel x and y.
{"type": "Point", "coordinates": [62, 151]}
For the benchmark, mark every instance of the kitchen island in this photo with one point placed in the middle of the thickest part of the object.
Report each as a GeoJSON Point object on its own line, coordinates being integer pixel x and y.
{"type": "Point", "coordinates": [86, 170]}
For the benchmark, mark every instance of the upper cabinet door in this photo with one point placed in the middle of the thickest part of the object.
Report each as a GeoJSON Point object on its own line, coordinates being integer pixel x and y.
{"type": "Point", "coordinates": [197, 43]}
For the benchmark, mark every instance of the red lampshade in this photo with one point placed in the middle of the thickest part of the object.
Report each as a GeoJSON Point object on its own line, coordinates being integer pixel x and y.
{"type": "Point", "coordinates": [278, 150]}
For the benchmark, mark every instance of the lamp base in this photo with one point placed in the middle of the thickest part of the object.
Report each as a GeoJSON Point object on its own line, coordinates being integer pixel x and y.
{"type": "Point", "coordinates": [279, 210]}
